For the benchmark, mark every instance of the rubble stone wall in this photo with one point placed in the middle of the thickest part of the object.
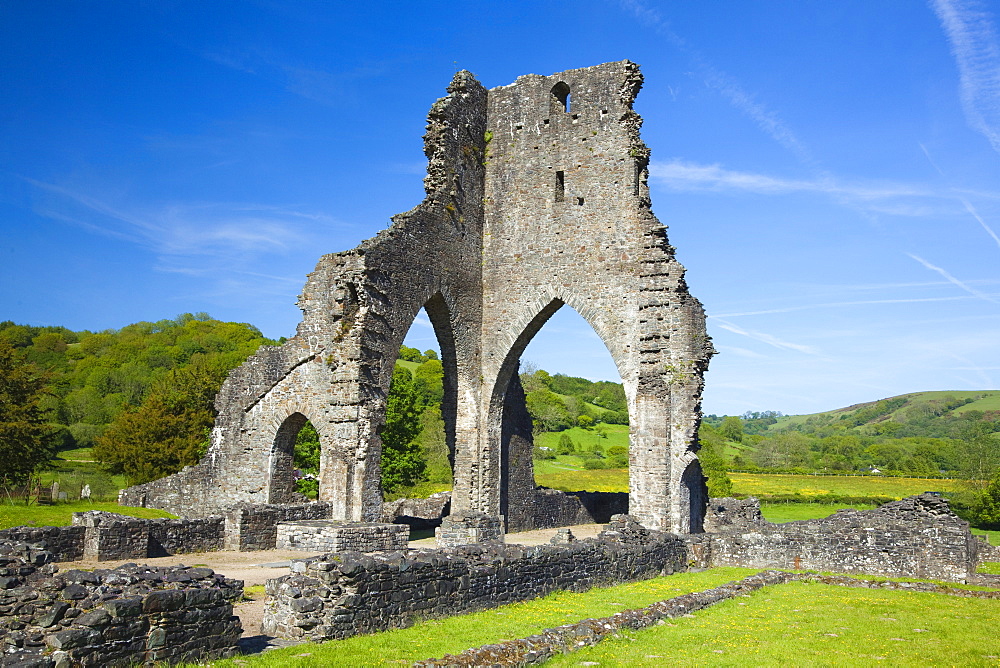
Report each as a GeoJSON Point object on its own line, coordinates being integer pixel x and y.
{"type": "Point", "coordinates": [554, 508]}
{"type": "Point", "coordinates": [122, 617]}
{"type": "Point", "coordinates": [340, 595]}
{"type": "Point", "coordinates": [916, 537]}
{"type": "Point", "coordinates": [64, 543]}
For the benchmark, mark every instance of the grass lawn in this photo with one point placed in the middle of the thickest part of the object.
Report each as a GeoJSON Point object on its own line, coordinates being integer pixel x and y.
{"type": "Point", "coordinates": [434, 638]}
{"type": "Point", "coordinates": [790, 512]}
{"type": "Point", "coordinates": [760, 484]}
{"type": "Point", "coordinates": [796, 624]}
{"type": "Point", "coordinates": [61, 514]}
{"type": "Point", "coordinates": [992, 536]}
{"type": "Point", "coordinates": [800, 624]}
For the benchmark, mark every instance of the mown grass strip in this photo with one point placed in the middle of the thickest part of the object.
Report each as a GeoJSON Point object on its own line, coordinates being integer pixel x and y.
{"type": "Point", "coordinates": [428, 638]}
{"type": "Point", "coordinates": [809, 624]}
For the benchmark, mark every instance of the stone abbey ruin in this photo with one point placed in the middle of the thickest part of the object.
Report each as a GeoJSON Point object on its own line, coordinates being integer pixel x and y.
{"type": "Point", "coordinates": [536, 198]}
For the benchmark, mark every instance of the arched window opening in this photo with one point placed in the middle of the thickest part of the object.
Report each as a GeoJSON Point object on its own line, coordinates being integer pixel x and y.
{"type": "Point", "coordinates": [295, 461]}
{"type": "Point", "coordinates": [560, 98]}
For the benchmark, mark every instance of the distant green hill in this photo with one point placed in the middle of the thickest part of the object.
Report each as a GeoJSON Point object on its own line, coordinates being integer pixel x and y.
{"type": "Point", "coordinates": [926, 433]}
{"type": "Point", "coordinates": [940, 414]}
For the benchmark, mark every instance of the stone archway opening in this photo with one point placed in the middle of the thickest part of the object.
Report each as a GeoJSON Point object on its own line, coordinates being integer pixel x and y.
{"type": "Point", "coordinates": [538, 409]}
{"type": "Point", "coordinates": [578, 406]}
{"type": "Point", "coordinates": [421, 408]}
{"type": "Point", "coordinates": [282, 486]}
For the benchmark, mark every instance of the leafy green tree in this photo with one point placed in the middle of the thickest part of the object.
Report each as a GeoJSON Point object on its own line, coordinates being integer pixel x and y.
{"type": "Point", "coordinates": [434, 445]}
{"type": "Point", "coordinates": [617, 456]}
{"type": "Point", "coordinates": [26, 440]}
{"type": "Point", "coordinates": [548, 411]}
{"type": "Point", "coordinates": [409, 354]}
{"type": "Point", "coordinates": [306, 459]}
{"type": "Point", "coordinates": [402, 463]}
{"type": "Point", "coordinates": [566, 445]}
{"type": "Point", "coordinates": [731, 428]}
{"type": "Point", "coordinates": [429, 382]}
{"type": "Point", "coordinates": [165, 433]}
{"type": "Point", "coordinates": [986, 508]}
{"type": "Point", "coordinates": [713, 462]}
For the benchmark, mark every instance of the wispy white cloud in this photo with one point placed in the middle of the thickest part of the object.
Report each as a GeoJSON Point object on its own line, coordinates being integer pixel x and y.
{"type": "Point", "coordinates": [326, 87]}
{"type": "Point", "coordinates": [741, 352]}
{"type": "Point", "coordinates": [763, 337]}
{"type": "Point", "coordinates": [680, 175]}
{"type": "Point", "coordinates": [952, 279]}
{"type": "Point", "coordinates": [198, 239]}
{"type": "Point", "coordinates": [976, 48]}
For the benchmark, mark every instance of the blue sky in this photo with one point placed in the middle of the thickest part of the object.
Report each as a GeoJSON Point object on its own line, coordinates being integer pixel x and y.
{"type": "Point", "coordinates": [829, 171]}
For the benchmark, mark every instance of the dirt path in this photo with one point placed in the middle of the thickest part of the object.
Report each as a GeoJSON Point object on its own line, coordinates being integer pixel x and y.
{"type": "Point", "coordinates": [256, 568]}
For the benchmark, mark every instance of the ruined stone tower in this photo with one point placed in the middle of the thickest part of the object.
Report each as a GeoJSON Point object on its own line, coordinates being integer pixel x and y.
{"type": "Point", "coordinates": [536, 198]}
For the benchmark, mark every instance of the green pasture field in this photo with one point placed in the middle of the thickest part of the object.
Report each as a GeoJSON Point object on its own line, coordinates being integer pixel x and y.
{"type": "Point", "coordinates": [806, 624]}
{"type": "Point", "coordinates": [61, 514]}
{"type": "Point", "coordinates": [797, 624]}
{"type": "Point", "coordinates": [758, 484]}
{"type": "Point", "coordinates": [597, 480]}
{"type": "Point", "coordinates": [589, 439]}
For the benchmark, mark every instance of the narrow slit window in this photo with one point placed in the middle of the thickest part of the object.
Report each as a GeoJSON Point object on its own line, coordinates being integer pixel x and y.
{"type": "Point", "coordinates": [560, 101]}
{"type": "Point", "coordinates": [560, 186]}
{"type": "Point", "coordinates": [579, 201]}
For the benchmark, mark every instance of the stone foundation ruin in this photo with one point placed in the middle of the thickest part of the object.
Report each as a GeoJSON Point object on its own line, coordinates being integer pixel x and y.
{"type": "Point", "coordinates": [536, 198]}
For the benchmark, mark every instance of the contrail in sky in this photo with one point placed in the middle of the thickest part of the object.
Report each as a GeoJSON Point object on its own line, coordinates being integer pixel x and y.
{"type": "Point", "coordinates": [976, 48]}
{"type": "Point", "coordinates": [970, 290]}
{"type": "Point", "coordinates": [982, 222]}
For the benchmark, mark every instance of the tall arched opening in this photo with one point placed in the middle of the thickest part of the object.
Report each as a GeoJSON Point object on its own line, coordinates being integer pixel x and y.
{"type": "Point", "coordinates": [427, 378]}
{"type": "Point", "coordinates": [535, 408]}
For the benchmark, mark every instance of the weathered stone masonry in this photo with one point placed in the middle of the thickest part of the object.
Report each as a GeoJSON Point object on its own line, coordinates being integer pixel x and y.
{"type": "Point", "coordinates": [916, 537]}
{"type": "Point", "coordinates": [122, 617]}
{"type": "Point", "coordinates": [536, 198]}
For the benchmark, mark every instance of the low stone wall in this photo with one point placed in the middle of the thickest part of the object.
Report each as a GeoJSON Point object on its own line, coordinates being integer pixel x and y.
{"type": "Point", "coordinates": [339, 536]}
{"type": "Point", "coordinates": [255, 527]}
{"type": "Point", "coordinates": [916, 537]}
{"type": "Point", "coordinates": [182, 536]}
{"type": "Point", "coordinates": [554, 508]}
{"type": "Point", "coordinates": [65, 543]}
{"type": "Point", "coordinates": [122, 617]}
{"type": "Point", "coordinates": [418, 513]}
{"type": "Point", "coordinates": [471, 528]}
{"type": "Point", "coordinates": [337, 596]}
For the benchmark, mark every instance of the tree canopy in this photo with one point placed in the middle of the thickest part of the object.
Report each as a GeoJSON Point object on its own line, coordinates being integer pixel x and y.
{"type": "Point", "coordinates": [26, 439]}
